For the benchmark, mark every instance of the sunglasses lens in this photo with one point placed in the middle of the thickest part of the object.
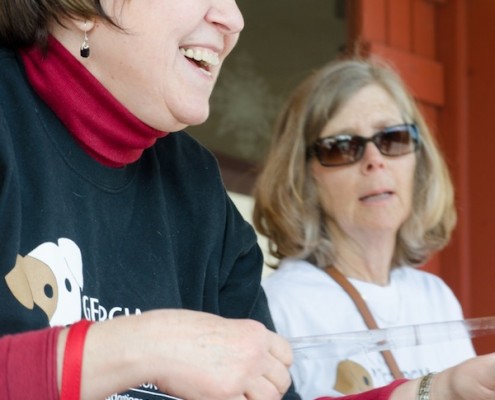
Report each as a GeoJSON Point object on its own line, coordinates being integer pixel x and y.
{"type": "Point", "coordinates": [339, 150]}
{"type": "Point", "coordinates": [396, 141]}
{"type": "Point", "coordinates": [347, 149]}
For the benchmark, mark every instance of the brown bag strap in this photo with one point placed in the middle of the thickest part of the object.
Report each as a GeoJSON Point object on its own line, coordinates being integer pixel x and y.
{"type": "Point", "coordinates": [366, 314]}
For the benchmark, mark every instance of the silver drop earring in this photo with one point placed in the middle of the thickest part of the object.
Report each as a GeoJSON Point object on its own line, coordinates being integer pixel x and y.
{"type": "Point", "coordinates": [85, 44]}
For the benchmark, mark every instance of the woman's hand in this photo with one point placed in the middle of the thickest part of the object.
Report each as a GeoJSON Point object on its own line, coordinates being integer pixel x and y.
{"type": "Point", "coordinates": [473, 379]}
{"type": "Point", "coordinates": [188, 354]}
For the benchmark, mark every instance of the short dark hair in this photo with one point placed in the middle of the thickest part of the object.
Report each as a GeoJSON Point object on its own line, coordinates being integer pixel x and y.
{"type": "Point", "coordinates": [26, 22]}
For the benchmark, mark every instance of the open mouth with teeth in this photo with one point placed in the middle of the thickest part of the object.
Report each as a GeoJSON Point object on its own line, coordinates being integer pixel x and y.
{"type": "Point", "coordinates": [203, 58]}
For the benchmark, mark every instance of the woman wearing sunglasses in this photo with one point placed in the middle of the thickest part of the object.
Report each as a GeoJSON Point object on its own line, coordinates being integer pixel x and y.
{"type": "Point", "coordinates": [354, 195]}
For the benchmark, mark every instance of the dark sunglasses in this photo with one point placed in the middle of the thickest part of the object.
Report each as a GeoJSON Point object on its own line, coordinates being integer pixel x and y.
{"type": "Point", "coordinates": [393, 141]}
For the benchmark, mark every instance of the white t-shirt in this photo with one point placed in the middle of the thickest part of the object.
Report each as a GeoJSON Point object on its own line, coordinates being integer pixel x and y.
{"type": "Point", "coordinates": [306, 301]}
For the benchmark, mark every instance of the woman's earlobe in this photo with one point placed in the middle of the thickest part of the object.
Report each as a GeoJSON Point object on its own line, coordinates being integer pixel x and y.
{"type": "Point", "coordinates": [84, 26]}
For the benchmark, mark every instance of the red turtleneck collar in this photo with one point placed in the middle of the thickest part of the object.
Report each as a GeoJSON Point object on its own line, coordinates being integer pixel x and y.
{"type": "Point", "coordinates": [102, 125]}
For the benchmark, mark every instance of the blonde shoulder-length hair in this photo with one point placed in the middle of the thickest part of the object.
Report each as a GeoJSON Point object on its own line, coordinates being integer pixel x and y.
{"type": "Point", "coordinates": [287, 210]}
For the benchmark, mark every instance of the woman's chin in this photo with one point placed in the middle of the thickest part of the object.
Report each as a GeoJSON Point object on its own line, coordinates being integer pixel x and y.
{"type": "Point", "coordinates": [192, 119]}
{"type": "Point", "coordinates": [179, 123]}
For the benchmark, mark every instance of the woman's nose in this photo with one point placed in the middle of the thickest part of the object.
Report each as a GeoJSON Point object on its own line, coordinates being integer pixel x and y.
{"type": "Point", "coordinates": [372, 158]}
{"type": "Point", "coordinates": [226, 14]}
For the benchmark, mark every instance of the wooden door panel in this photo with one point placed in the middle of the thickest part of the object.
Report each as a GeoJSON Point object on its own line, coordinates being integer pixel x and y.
{"type": "Point", "coordinates": [399, 21]}
{"type": "Point", "coordinates": [424, 28]}
{"type": "Point", "coordinates": [423, 76]}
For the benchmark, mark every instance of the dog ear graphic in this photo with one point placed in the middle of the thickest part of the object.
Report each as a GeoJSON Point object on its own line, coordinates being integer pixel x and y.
{"type": "Point", "coordinates": [32, 282]}
{"type": "Point", "coordinates": [73, 257]}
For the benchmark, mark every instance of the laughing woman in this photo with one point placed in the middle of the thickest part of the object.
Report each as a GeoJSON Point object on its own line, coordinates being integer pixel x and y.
{"type": "Point", "coordinates": [99, 210]}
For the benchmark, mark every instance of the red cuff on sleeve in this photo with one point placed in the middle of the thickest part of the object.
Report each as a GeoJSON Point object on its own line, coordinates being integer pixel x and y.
{"type": "Point", "coordinates": [381, 393]}
{"type": "Point", "coordinates": [28, 365]}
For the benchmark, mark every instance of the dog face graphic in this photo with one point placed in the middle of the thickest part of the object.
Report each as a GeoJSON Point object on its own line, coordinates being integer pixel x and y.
{"type": "Point", "coordinates": [352, 378]}
{"type": "Point", "coordinates": [51, 277]}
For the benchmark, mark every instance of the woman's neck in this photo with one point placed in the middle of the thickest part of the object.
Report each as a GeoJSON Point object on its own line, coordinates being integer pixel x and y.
{"type": "Point", "coordinates": [367, 261]}
{"type": "Point", "coordinates": [103, 127]}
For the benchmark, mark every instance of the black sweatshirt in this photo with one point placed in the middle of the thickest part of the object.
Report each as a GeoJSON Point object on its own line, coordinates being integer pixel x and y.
{"type": "Point", "coordinates": [80, 240]}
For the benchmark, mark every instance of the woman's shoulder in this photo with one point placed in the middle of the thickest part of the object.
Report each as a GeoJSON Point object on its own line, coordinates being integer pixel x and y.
{"type": "Point", "coordinates": [182, 143]}
{"type": "Point", "coordinates": [293, 269]}
{"type": "Point", "coordinates": [182, 154]}
{"type": "Point", "coordinates": [10, 66]}
{"type": "Point", "coordinates": [12, 76]}
{"type": "Point", "coordinates": [7, 55]}
{"type": "Point", "coordinates": [429, 294]}
{"type": "Point", "coordinates": [294, 275]}
{"type": "Point", "coordinates": [420, 279]}
{"type": "Point", "coordinates": [14, 92]}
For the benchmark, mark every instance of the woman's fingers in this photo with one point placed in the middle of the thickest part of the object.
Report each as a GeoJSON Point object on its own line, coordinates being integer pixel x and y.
{"type": "Point", "coordinates": [263, 389]}
{"type": "Point", "coordinates": [278, 375]}
{"type": "Point", "coordinates": [281, 349]}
